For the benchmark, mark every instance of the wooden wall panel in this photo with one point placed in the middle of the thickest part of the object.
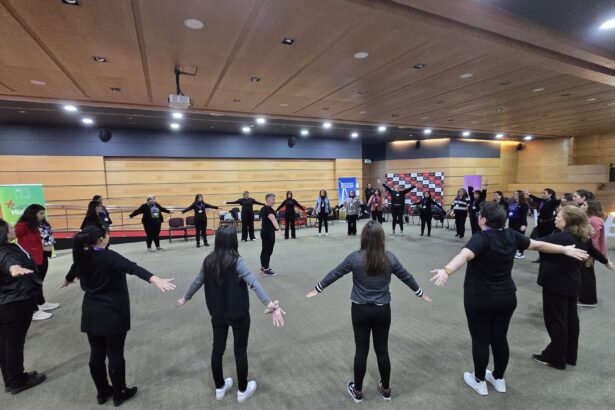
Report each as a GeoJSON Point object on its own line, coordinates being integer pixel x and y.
{"type": "Point", "coordinates": [593, 149]}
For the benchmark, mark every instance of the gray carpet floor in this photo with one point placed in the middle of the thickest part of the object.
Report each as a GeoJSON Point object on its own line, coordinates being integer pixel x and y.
{"type": "Point", "coordinates": [306, 364]}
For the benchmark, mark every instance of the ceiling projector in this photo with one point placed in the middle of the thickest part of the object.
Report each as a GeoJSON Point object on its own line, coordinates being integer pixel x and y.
{"type": "Point", "coordinates": [179, 101]}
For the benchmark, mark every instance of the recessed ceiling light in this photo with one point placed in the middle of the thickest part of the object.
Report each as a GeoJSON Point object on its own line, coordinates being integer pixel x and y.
{"type": "Point", "coordinates": [591, 99]}
{"type": "Point", "coordinates": [506, 82]}
{"type": "Point", "coordinates": [116, 89]}
{"type": "Point", "coordinates": [22, 111]}
{"type": "Point", "coordinates": [178, 115]}
{"type": "Point", "coordinates": [288, 41]}
{"type": "Point", "coordinates": [466, 75]}
{"type": "Point", "coordinates": [71, 2]}
{"type": "Point", "coordinates": [528, 138]}
{"type": "Point", "coordinates": [362, 112]}
{"type": "Point", "coordinates": [194, 24]}
{"type": "Point", "coordinates": [427, 131]}
{"type": "Point", "coordinates": [305, 132]}
{"type": "Point", "coordinates": [70, 108]}
{"type": "Point", "coordinates": [394, 115]}
{"type": "Point", "coordinates": [362, 92]}
{"type": "Point", "coordinates": [326, 108]}
{"type": "Point", "coordinates": [537, 90]}
{"type": "Point", "coordinates": [100, 59]}
{"type": "Point", "coordinates": [327, 125]}
{"type": "Point", "coordinates": [236, 100]}
{"type": "Point", "coordinates": [499, 136]}
{"type": "Point", "coordinates": [255, 79]}
{"type": "Point", "coordinates": [466, 133]}
{"type": "Point", "coordinates": [37, 82]}
{"type": "Point", "coordinates": [607, 25]}
{"type": "Point", "coordinates": [87, 121]}
{"type": "Point", "coordinates": [382, 128]}
{"type": "Point", "coordinates": [246, 130]}
{"type": "Point", "coordinates": [261, 120]}
{"type": "Point", "coordinates": [174, 126]}
{"type": "Point", "coordinates": [499, 109]}
{"type": "Point", "coordinates": [284, 105]}
{"type": "Point", "coordinates": [419, 66]}
{"type": "Point", "coordinates": [361, 55]}
{"type": "Point", "coordinates": [354, 135]}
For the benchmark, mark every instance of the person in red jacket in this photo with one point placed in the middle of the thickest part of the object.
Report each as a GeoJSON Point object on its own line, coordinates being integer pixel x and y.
{"type": "Point", "coordinates": [29, 238]}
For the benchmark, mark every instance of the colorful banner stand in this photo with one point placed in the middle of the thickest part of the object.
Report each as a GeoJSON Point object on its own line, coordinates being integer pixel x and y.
{"type": "Point", "coordinates": [14, 199]}
{"type": "Point", "coordinates": [345, 185]}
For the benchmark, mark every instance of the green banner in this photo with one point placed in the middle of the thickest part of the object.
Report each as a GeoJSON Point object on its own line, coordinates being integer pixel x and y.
{"type": "Point", "coordinates": [14, 199]}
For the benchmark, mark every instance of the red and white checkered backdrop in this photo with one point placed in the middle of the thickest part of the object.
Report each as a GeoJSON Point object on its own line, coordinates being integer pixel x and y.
{"type": "Point", "coordinates": [424, 181]}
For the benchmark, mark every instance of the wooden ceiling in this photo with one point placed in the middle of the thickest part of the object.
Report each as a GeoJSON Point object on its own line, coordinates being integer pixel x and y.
{"type": "Point", "coordinates": [524, 78]}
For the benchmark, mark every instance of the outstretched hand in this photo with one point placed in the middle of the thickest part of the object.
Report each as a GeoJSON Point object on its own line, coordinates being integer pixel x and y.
{"type": "Point", "coordinates": [611, 265]}
{"type": "Point", "coordinates": [425, 298]}
{"type": "Point", "coordinates": [440, 277]}
{"type": "Point", "coordinates": [312, 293]}
{"type": "Point", "coordinates": [17, 270]}
{"type": "Point", "coordinates": [65, 284]}
{"type": "Point", "coordinates": [278, 317]}
{"type": "Point", "coordinates": [162, 284]}
{"type": "Point", "coordinates": [576, 253]}
{"type": "Point", "coordinates": [180, 302]}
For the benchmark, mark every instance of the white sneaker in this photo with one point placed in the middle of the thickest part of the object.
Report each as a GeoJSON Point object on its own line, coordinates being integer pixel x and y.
{"type": "Point", "coordinates": [392, 233]}
{"type": "Point", "coordinates": [228, 383]}
{"type": "Point", "coordinates": [519, 255]}
{"type": "Point", "coordinates": [48, 306]}
{"type": "Point", "coordinates": [479, 387]}
{"type": "Point", "coordinates": [41, 315]}
{"type": "Point", "coordinates": [401, 234]}
{"type": "Point", "coordinates": [243, 396]}
{"type": "Point", "coordinates": [327, 234]}
{"type": "Point", "coordinates": [319, 234]}
{"type": "Point", "coordinates": [498, 384]}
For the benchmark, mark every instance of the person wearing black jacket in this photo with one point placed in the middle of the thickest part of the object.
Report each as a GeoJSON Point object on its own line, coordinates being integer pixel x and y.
{"type": "Point", "coordinates": [560, 278]}
{"type": "Point", "coordinates": [460, 206]}
{"type": "Point", "coordinates": [476, 198]}
{"type": "Point", "coordinates": [152, 220]}
{"type": "Point", "coordinates": [547, 208]}
{"type": "Point", "coordinates": [104, 214]}
{"type": "Point", "coordinates": [93, 216]}
{"type": "Point", "coordinates": [517, 216]}
{"type": "Point", "coordinates": [498, 198]}
{"type": "Point", "coordinates": [20, 287]}
{"type": "Point", "coordinates": [247, 215]}
{"type": "Point", "coordinates": [200, 218]}
{"type": "Point", "coordinates": [369, 191]}
{"type": "Point", "coordinates": [425, 211]}
{"type": "Point", "coordinates": [398, 205]}
{"type": "Point", "coordinates": [105, 312]}
{"type": "Point", "coordinates": [290, 215]}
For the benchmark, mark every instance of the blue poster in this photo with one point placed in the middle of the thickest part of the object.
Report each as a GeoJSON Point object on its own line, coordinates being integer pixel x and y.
{"type": "Point", "coordinates": [345, 185]}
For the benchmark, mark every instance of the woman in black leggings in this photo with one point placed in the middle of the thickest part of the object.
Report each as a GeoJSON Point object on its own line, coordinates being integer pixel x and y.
{"type": "Point", "coordinates": [372, 267]}
{"type": "Point", "coordinates": [105, 312]}
{"type": "Point", "coordinates": [489, 291]}
{"type": "Point", "coordinates": [425, 212]}
{"type": "Point", "coordinates": [460, 207]}
{"type": "Point", "coordinates": [323, 210]}
{"type": "Point", "coordinates": [200, 218]}
{"type": "Point", "coordinates": [152, 221]}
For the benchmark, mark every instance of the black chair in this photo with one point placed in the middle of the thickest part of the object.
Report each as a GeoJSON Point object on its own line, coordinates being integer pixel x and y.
{"type": "Point", "coordinates": [177, 224]}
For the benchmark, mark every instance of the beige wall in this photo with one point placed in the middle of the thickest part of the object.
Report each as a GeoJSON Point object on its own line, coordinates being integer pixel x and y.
{"type": "Point", "coordinates": [594, 149]}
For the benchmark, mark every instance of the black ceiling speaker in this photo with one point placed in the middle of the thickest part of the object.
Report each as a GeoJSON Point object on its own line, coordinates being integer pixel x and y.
{"type": "Point", "coordinates": [105, 135]}
{"type": "Point", "coordinates": [418, 145]}
{"type": "Point", "coordinates": [292, 141]}
{"type": "Point", "coordinates": [519, 146]}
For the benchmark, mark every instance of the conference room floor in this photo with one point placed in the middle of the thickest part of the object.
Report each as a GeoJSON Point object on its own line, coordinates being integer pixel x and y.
{"type": "Point", "coordinates": [307, 363]}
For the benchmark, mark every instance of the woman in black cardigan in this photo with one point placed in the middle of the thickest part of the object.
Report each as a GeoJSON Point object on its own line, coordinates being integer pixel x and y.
{"type": "Point", "coordinates": [200, 218]}
{"type": "Point", "coordinates": [560, 278]}
{"type": "Point", "coordinates": [105, 314]}
{"type": "Point", "coordinates": [19, 289]}
{"type": "Point", "coordinates": [93, 216]}
{"type": "Point", "coordinates": [425, 211]}
{"type": "Point", "coordinates": [152, 220]}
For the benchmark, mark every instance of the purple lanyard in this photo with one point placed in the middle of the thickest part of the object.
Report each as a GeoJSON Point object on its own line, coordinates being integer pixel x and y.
{"type": "Point", "coordinates": [96, 249]}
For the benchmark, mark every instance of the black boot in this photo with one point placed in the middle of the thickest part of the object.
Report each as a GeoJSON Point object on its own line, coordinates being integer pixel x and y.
{"type": "Point", "coordinates": [126, 394]}
{"type": "Point", "coordinates": [30, 380]}
{"type": "Point", "coordinates": [121, 393]}
{"type": "Point", "coordinates": [198, 245]}
{"type": "Point", "coordinates": [99, 375]}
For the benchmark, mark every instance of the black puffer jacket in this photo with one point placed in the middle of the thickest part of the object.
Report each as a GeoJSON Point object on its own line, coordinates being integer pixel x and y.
{"type": "Point", "coordinates": [22, 287]}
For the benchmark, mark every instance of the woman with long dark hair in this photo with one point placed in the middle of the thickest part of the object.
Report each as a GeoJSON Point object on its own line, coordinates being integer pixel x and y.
{"type": "Point", "coordinates": [353, 208]}
{"type": "Point", "coordinates": [152, 220]}
{"type": "Point", "coordinates": [460, 207]}
{"type": "Point", "coordinates": [29, 237]}
{"type": "Point", "coordinates": [425, 211]}
{"type": "Point", "coordinates": [105, 312]}
{"type": "Point", "coordinates": [398, 204]}
{"type": "Point", "coordinates": [588, 295]}
{"type": "Point", "coordinates": [560, 279]}
{"type": "Point", "coordinates": [19, 290]}
{"type": "Point", "coordinates": [290, 215]}
{"type": "Point", "coordinates": [372, 267]}
{"type": "Point", "coordinates": [580, 196]}
{"type": "Point", "coordinates": [93, 216]}
{"type": "Point", "coordinates": [476, 198]}
{"type": "Point", "coordinates": [547, 208]}
{"type": "Point", "coordinates": [489, 296]}
{"type": "Point", "coordinates": [200, 218]}
{"type": "Point", "coordinates": [518, 209]}
{"type": "Point", "coordinates": [104, 215]}
{"type": "Point", "coordinates": [376, 205]}
{"type": "Point", "coordinates": [226, 278]}
{"type": "Point", "coordinates": [323, 210]}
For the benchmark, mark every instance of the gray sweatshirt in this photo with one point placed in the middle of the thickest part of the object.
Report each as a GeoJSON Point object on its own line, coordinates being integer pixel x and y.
{"type": "Point", "coordinates": [244, 273]}
{"type": "Point", "coordinates": [352, 205]}
{"type": "Point", "coordinates": [370, 289]}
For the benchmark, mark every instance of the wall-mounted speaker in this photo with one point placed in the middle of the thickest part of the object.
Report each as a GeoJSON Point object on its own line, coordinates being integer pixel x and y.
{"type": "Point", "coordinates": [519, 146]}
{"type": "Point", "coordinates": [292, 141]}
{"type": "Point", "coordinates": [105, 135]}
{"type": "Point", "coordinates": [418, 145]}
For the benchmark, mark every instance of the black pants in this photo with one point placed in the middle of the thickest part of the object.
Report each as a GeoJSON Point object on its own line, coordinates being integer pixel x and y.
{"type": "Point", "coordinates": [515, 225]}
{"type": "Point", "coordinates": [15, 319]}
{"type": "Point", "coordinates": [241, 331]}
{"type": "Point", "coordinates": [488, 319]}
{"type": "Point", "coordinates": [112, 348]}
{"type": "Point", "coordinates": [152, 230]}
{"type": "Point", "coordinates": [460, 222]}
{"type": "Point", "coordinates": [377, 216]}
{"type": "Point", "coordinates": [397, 212]}
{"type": "Point", "coordinates": [474, 223]}
{"type": "Point", "coordinates": [352, 224]}
{"type": "Point", "coordinates": [200, 225]}
{"type": "Point", "coordinates": [42, 272]}
{"type": "Point", "coordinates": [247, 226]}
{"type": "Point", "coordinates": [289, 223]}
{"type": "Point", "coordinates": [267, 249]}
{"type": "Point", "coordinates": [588, 294]}
{"type": "Point", "coordinates": [323, 219]}
{"type": "Point", "coordinates": [426, 221]}
{"type": "Point", "coordinates": [544, 228]}
{"type": "Point", "coordinates": [562, 322]}
{"type": "Point", "coordinates": [375, 321]}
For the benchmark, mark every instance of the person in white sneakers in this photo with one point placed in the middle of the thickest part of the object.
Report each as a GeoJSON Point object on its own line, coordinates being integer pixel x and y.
{"type": "Point", "coordinates": [226, 278]}
{"type": "Point", "coordinates": [489, 291]}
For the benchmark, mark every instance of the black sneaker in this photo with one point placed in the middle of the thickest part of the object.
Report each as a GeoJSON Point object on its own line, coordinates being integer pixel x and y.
{"type": "Point", "coordinates": [198, 245]}
{"type": "Point", "coordinates": [124, 395]}
{"type": "Point", "coordinates": [356, 395]}
{"type": "Point", "coordinates": [268, 272]}
{"type": "Point", "coordinates": [244, 240]}
{"type": "Point", "coordinates": [104, 396]}
{"type": "Point", "coordinates": [539, 359]}
{"type": "Point", "coordinates": [206, 244]}
{"type": "Point", "coordinates": [32, 379]}
{"type": "Point", "coordinates": [386, 393]}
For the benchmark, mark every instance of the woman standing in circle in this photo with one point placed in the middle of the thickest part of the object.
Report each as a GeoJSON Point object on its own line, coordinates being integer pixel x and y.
{"type": "Point", "coordinates": [353, 207]}
{"type": "Point", "coordinates": [105, 315]}
{"type": "Point", "coordinates": [588, 295]}
{"type": "Point", "coordinates": [489, 291]}
{"type": "Point", "coordinates": [94, 216]}
{"type": "Point", "coordinates": [476, 198]}
{"type": "Point", "coordinates": [226, 278]}
{"type": "Point", "coordinates": [398, 204]}
{"type": "Point", "coordinates": [376, 205]}
{"type": "Point", "coordinates": [517, 210]}
{"type": "Point", "coordinates": [290, 215]}
{"type": "Point", "coordinates": [372, 267]}
{"type": "Point", "coordinates": [323, 210]}
{"type": "Point", "coordinates": [269, 226]}
{"type": "Point", "coordinates": [19, 290]}
{"type": "Point", "coordinates": [152, 220]}
{"type": "Point", "coordinates": [29, 238]}
{"type": "Point", "coordinates": [460, 207]}
{"type": "Point", "coordinates": [200, 218]}
{"type": "Point", "coordinates": [104, 215]}
{"type": "Point", "coordinates": [247, 215]}
{"type": "Point", "coordinates": [425, 211]}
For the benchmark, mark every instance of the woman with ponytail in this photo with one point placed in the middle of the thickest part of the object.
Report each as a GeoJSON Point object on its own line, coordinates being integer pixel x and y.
{"type": "Point", "coordinates": [105, 313]}
{"type": "Point", "coordinates": [372, 267]}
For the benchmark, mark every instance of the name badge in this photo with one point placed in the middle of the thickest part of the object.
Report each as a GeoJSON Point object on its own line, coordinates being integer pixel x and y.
{"type": "Point", "coordinates": [511, 213]}
{"type": "Point", "coordinates": [200, 211]}
{"type": "Point", "coordinates": [106, 219]}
